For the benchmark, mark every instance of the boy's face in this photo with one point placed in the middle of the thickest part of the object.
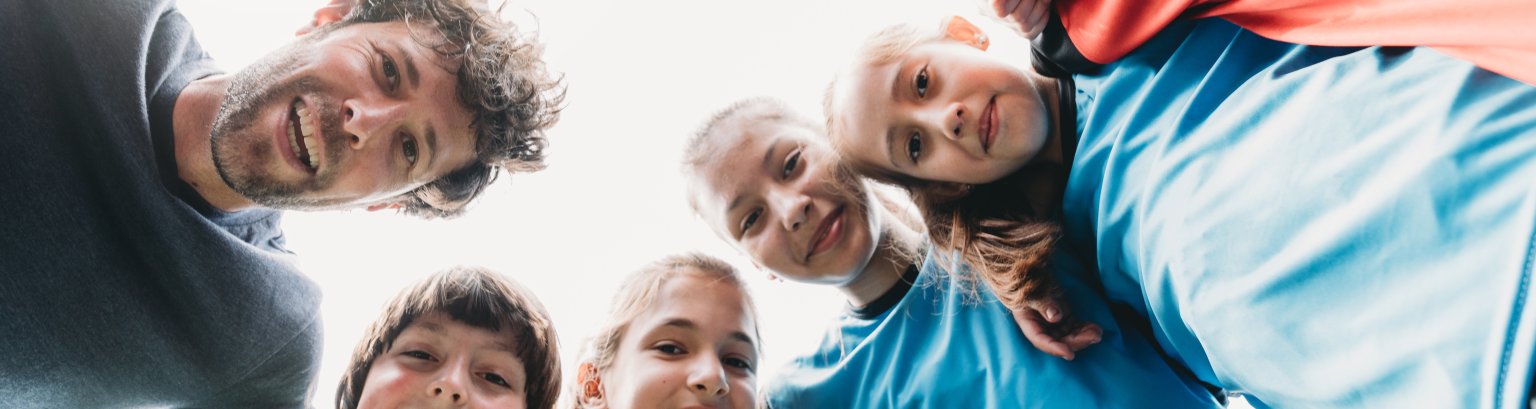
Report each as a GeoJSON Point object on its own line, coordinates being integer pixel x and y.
{"type": "Point", "coordinates": [945, 111]}
{"type": "Point", "coordinates": [359, 115]}
{"type": "Point", "coordinates": [440, 362]}
{"type": "Point", "coordinates": [777, 194]}
{"type": "Point", "coordinates": [694, 347]}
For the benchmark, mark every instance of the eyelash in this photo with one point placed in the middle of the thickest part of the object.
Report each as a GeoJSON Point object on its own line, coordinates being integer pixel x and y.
{"type": "Point", "coordinates": [390, 70]}
{"type": "Point", "coordinates": [409, 149]}
{"type": "Point", "coordinates": [920, 82]}
{"type": "Point", "coordinates": [914, 146]}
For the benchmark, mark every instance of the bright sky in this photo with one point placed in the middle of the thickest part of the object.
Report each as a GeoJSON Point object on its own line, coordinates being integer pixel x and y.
{"type": "Point", "coordinates": [642, 76]}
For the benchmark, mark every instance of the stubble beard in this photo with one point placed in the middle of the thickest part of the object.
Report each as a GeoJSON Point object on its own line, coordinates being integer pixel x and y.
{"type": "Point", "coordinates": [242, 153]}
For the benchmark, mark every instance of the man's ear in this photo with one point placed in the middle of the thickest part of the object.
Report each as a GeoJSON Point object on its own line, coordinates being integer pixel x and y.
{"type": "Point", "coordinates": [960, 29]}
{"type": "Point", "coordinates": [589, 387]}
{"type": "Point", "coordinates": [381, 206]}
{"type": "Point", "coordinates": [327, 14]}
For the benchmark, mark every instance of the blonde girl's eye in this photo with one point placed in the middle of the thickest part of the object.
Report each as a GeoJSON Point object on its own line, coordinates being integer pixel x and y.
{"type": "Point", "coordinates": [737, 363]}
{"type": "Point", "coordinates": [914, 146]}
{"type": "Point", "coordinates": [791, 163]}
{"type": "Point", "coordinates": [750, 220]}
{"type": "Point", "coordinates": [920, 82]}
{"type": "Point", "coordinates": [670, 349]}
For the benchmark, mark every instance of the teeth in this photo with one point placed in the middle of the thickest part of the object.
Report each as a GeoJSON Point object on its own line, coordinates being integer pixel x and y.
{"type": "Point", "coordinates": [306, 131]}
{"type": "Point", "coordinates": [310, 142]}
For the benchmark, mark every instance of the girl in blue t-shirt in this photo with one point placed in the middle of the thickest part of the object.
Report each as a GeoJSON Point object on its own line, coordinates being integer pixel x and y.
{"type": "Point", "coordinates": [913, 334]}
{"type": "Point", "coordinates": [1312, 226]}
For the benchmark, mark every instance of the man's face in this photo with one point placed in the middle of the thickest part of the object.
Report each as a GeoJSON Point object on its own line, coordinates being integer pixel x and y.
{"type": "Point", "coordinates": [353, 117]}
{"type": "Point", "coordinates": [945, 111]}
{"type": "Point", "coordinates": [776, 192]}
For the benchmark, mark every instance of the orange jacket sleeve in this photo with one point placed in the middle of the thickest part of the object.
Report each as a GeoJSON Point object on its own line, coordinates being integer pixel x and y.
{"type": "Point", "coordinates": [1499, 35]}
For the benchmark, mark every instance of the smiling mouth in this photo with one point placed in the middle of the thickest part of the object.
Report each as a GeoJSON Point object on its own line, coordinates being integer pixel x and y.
{"type": "Point", "coordinates": [988, 125]}
{"type": "Point", "coordinates": [302, 134]}
{"type": "Point", "coordinates": [827, 234]}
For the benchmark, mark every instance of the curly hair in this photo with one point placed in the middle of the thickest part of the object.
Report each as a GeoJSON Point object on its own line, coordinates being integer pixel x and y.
{"type": "Point", "coordinates": [500, 77]}
{"type": "Point", "coordinates": [474, 296]}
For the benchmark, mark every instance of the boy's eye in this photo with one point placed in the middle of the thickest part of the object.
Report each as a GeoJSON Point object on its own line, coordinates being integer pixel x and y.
{"type": "Point", "coordinates": [791, 163]}
{"type": "Point", "coordinates": [914, 146]}
{"type": "Point", "coordinates": [391, 71]}
{"type": "Point", "coordinates": [408, 148]}
{"type": "Point", "coordinates": [496, 379]}
{"type": "Point", "coordinates": [418, 355]}
{"type": "Point", "coordinates": [750, 220]}
{"type": "Point", "coordinates": [920, 82]}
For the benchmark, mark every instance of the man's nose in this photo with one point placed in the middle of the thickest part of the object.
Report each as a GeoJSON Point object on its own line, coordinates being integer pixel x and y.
{"type": "Point", "coordinates": [368, 120]}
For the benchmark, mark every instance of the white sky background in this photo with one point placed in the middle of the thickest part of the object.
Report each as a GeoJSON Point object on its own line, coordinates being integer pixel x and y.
{"type": "Point", "coordinates": [642, 76]}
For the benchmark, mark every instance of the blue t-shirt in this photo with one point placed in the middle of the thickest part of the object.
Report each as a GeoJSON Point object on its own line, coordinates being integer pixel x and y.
{"type": "Point", "coordinates": [1314, 226]}
{"type": "Point", "coordinates": [938, 346]}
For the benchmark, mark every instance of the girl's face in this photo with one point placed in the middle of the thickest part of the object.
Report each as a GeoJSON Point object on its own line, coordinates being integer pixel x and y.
{"type": "Point", "coordinates": [776, 193]}
{"type": "Point", "coordinates": [944, 111]}
{"type": "Point", "coordinates": [695, 347]}
{"type": "Point", "coordinates": [440, 362]}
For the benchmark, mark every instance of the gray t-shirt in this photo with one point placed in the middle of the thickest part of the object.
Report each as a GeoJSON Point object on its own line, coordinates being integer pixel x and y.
{"type": "Point", "coordinates": [119, 285]}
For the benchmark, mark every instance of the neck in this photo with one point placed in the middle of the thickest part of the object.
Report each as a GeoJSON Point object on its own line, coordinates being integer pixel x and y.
{"type": "Point", "coordinates": [192, 124]}
{"type": "Point", "coordinates": [898, 248]}
{"type": "Point", "coordinates": [1050, 94]}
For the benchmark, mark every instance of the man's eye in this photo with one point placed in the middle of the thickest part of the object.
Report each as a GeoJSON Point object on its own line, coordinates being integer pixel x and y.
{"type": "Point", "coordinates": [391, 72]}
{"type": "Point", "coordinates": [914, 146]}
{"type": "Point", "coordinates": [790, 163]}
{"type": "Point", "coordinates": [418, 355]}
{"type": "Point", "coordinates": [920, 83]}
{"type": "Point", "coordinates": [496, 379]}
{"type": "Point", "coordinates": [409, 149]}
{"type": "Point", "coordinates": [750, 220]}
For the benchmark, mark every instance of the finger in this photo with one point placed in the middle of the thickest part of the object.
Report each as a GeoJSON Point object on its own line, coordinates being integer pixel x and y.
{"type": "Point", "coordinates": [1037, 19]}
{"type": "Point", "coordinates": [1048, 310]}
{"type": "Point", "coordinates": [1085, 336]}
{"type": "Point", "coordinates": [1038, 334]}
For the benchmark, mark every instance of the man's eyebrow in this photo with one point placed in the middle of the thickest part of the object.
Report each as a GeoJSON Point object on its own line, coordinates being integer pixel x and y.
{"type": "Point", "coordinates": [410, 68]}
{"type": "Point", "coordinates": [431, 136]}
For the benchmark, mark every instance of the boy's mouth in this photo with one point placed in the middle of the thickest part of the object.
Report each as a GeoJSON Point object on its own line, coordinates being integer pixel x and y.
{"type": "Point", "coordinates": [988, 125]}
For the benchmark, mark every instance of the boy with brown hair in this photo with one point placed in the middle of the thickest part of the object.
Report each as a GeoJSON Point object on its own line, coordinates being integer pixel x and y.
{"type": "Point", "coordinates": [466, 336]}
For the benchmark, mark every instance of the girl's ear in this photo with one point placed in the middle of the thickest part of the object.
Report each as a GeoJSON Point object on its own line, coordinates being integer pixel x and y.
{"type": "Point", "coordinates": [589, 387]}
{"type": "Point", "coordinates": [960, 29]}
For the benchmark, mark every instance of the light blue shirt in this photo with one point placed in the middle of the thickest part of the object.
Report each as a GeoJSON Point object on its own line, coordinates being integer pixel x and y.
{"type": "Point", "coordinates": [937, 348]}
{"type": "Point", "coordinates": [1317, 227]}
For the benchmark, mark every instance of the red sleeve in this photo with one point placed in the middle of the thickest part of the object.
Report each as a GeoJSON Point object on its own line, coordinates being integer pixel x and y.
{"type": "Point", "coordinates": [1499, 35]}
